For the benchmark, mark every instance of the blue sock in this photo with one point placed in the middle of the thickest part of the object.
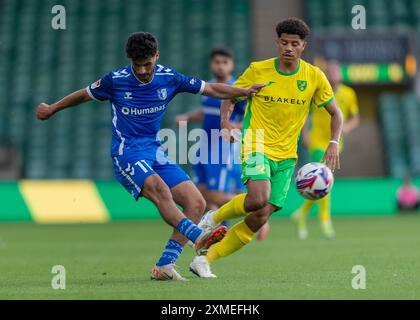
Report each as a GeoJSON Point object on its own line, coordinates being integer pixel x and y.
{"type": "Point", "coordinates": [189, 229]}
{"type": "Point", "coordinates": [171, 253]}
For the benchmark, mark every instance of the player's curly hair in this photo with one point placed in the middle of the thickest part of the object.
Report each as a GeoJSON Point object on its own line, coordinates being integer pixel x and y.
{"type": "Point", "coordinates": [141, 45]}
{"type": "Point", "coordinates": [293, 26]}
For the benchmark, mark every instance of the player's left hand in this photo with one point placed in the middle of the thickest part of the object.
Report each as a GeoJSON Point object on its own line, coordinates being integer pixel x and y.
{"type": "Point", "coordinates": [332, 157]}
{"type": "Point", "coordinates": [252, 92]}
{"type": "Point", "coordinates": [230, 132]}
{"type": "Point", "coordinates": [44, 111]}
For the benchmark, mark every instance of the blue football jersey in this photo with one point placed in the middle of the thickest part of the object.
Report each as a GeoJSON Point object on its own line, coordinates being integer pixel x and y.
{"type": "Point", "coordinates": [211, 109]}
{"type": "Point", "coordinates": [137, 107]}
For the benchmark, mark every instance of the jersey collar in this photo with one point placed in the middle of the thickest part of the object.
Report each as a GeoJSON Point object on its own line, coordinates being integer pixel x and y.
{"type": "Point", "coordinates": [276, 66]}
{"type": "Point", "coordinates": [142, 83]}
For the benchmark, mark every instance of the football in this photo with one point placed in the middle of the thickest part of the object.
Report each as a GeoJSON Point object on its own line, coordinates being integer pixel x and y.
{"type": "Point", "coordinates": [314, 180]}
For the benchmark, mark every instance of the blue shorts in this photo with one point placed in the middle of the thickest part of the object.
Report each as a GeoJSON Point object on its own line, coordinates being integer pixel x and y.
{"type": "Point", "coordinates": [135, 165]}
{"type": "Point", "coordinates": [219, 177]}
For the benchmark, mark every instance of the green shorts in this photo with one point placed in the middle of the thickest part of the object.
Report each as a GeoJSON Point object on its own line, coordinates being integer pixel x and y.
{"type": "Point", "coordinates": [259, 167]}
{"type": "Point", "coordinates": [317, 155]}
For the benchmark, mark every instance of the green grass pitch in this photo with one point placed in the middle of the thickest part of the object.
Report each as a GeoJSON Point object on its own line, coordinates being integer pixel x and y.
{"type": "Point", "coordinates": [113, 261]}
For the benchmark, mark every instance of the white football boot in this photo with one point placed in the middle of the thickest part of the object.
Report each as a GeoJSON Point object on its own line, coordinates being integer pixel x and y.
{"type": "Point", "coordinates": [328, 230]}
{"type": "Point", "coordinates": [201, 267]}
{"type": "Point", "coordinates": [206, 223]}
{"type": "Point", "coordinates": [166, 273]}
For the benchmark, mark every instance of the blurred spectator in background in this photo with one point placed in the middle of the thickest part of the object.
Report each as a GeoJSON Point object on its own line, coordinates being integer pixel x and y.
{"type": "Point", "coordinates": [408, 195]}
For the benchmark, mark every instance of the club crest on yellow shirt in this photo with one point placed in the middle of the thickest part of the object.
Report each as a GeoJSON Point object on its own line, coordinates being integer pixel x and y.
{"type": "Point", "coordinates": [302, 84]}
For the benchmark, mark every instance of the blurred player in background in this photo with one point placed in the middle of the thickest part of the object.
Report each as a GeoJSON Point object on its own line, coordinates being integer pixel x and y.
{"type": "Point", "coordinates": [273, 121]}
{"type": "Point", "coordinates": [139, 94]}
{"type": "Point", "coordinates": [219, 181]}
{"type": "Point", "coordinates": [317, 138]}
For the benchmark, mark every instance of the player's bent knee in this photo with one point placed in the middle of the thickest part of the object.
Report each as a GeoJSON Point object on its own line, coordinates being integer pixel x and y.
{"type": "Point", "coordinates": [263, 219]}
{"type": "Point", "coordinates": [261, 215]}
{"type": "Point", "coordinates": [256, 203]}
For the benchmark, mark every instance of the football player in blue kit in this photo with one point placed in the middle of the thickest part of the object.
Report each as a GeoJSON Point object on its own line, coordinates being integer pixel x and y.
{"type": "Point", "coordinates": [139, 95]}
{"type": "Point", "coordinates": [218, 180]}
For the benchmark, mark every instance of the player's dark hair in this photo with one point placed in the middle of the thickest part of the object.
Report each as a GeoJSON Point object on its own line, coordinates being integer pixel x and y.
{"type": "Point", "coordinates": [141, 45]}
{"type": "Point", "coordinates": [221, 52]}
{"type": "Point", "coordinates": [293, 26]}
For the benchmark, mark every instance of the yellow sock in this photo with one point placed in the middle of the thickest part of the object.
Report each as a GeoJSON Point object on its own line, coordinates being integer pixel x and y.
{"type": "Point", "coordinates": [233, 209]}
{"type": "Point", "coordinates": [238, 236]}
{"type": "Point", "coordinates": [324, 209]}
{"type": "Point", "coordinates": [306, 207]}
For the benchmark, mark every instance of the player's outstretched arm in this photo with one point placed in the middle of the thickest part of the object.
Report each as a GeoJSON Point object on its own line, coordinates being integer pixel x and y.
{"type": "Point", "coordinates": [223, 91]}
{"type": "Point", "coordinates": [44, 111]}
{"type": "Point", "coordinates": [331, 157]}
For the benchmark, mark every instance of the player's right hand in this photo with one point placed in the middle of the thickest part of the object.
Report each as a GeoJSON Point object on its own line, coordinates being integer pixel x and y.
{"type": "Point", "coordinates": [230, 132]}
{"type": "Point", "coordinates": [252, 92]}
{"type": "Point", "coordinates": [44, 111]}
{"type": "Point", "coordinates": [332, 157]}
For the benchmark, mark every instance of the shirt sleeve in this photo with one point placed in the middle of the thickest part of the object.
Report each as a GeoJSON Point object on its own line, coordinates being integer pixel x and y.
{"type": "Point", "coordinates": [324, 93]}
{"type": "Point", "coordinates": [101, 90]}
{"type": "Point", "coordinates": [188, 84]}
{"type": "Point", "coordinates": [246, 80]}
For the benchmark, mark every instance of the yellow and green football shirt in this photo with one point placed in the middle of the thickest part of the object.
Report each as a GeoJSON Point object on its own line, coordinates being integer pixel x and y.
{"type": "Point", "coordinates": [275, 116]}
{"type": "Point", "coordinates": [320, 131]}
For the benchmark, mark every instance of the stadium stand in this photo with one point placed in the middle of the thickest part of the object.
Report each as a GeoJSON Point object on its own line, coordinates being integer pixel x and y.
{"type": "Point", "coordinates": [399, 113]}
{"type": "Point", "coordinates": [39, 65]}
{"type": "Point", "coordinates": [411, 112]}
{"type": "Point", "coordinates": [400, 118]}
{"type": "Point", "coordinates": [398, 14]}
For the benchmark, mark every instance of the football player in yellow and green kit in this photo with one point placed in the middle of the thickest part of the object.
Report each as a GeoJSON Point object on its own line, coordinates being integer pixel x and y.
{"type": "Point", "coordinates": [272, 124]}
{"type": "Point", "coordinates": [316, 139]}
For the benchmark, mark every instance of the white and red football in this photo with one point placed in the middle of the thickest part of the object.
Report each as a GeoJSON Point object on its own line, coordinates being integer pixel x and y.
{"type": "Point", "coordinates": [314, 180]}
